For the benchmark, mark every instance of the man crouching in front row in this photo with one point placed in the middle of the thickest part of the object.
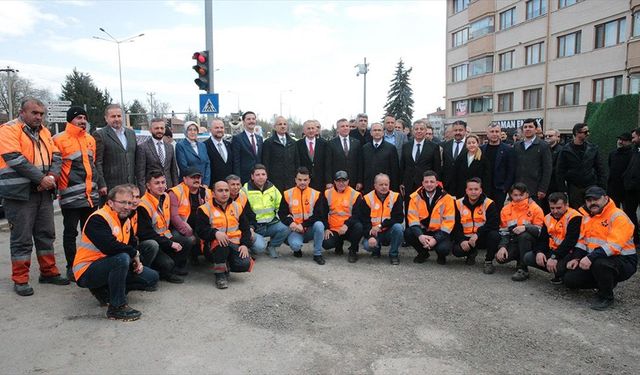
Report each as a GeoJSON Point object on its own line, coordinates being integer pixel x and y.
{"type": "Point", "coordinates": [223, 225]}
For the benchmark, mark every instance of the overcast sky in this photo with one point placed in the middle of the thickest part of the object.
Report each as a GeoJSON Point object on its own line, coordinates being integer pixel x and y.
{"type": "Point", "coordinates": [302, 51]}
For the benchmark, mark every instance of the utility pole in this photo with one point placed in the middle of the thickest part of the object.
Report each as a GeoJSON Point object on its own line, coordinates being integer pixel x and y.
{"type": "Point", "coordinates": [363, 69]}
{"type": "Point", "coordinates": [9, 70]}
{"type": "Point", "coordinates": [208, 30]}
{"type": "Point", "coordinates": [152, 108]}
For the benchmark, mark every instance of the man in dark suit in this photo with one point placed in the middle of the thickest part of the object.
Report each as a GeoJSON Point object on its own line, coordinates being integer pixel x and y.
{"type": "Point", "coordinates": [156, 154]}
{"type": "Point", "coordinates": [502, 160]}
{"type": "Point", "coordinates": [417, 156]}
{"type": "Point", "coordinates": [361, 133]}
{"type": "Point", "coordinates": [379, 157]}
{"type": "Point", "coordinates": [219, 151]}
{"type": "Point", "coordinates": [116, 152]}
{"type": "Point", "coordinates": [312, 152]}
{"type": "Point", "coordinates": [344, 154]}
{"type": "Point", "coordinates": [534, 162]}
{"type": "Point", "coordinates": [280, 156]}
{"type": "Point", "coordinates": [451, 149]}
{"type": "Point", "coordinates": [246, 148]}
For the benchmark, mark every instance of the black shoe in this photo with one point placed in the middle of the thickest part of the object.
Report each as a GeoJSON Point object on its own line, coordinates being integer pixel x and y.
{"type": "Point", "coordinates": [319, 259]}
{"type": "Point", "coordinates": [395, 261]}
{"type": "Point", "coordinates": [124, 313]}
{"type": "Point", "coordinates": [471, 258]}
{"type": "Point", "coordinates": [23, 289]}
{"type": "Point", "coordinates": [421, 257]}
{"type": "Point", "coordinates": [180, 271]}
{"type": "Point", "coordinates": [405, 244]}
{"type": "Point", "coordinates": [556, 280]}
{"type": "Point", "coordinates": [339, 251]}
{"type": "Point", "coordinates": [55, 280]}
{"type": "Point", "coordinates": [489, 268]}
{"type": "Point", "coordinates": [101, 294]}
{"type": "Point", "coordinates": [353, 257]}
{"type": "Point", "coordinates": [297, 254]}
{"type": "Point", "coordinates": [442, 259]}
{"type": "Point", "coordinates": [151, 288]}
{"type": "Point", "coordinates": [70, 275]}
{"type": "Point", "coordinates": [602, 303]}
{"type": "Point", "coordinates": [172, 278]}
{"type": "Point", "coordinates": [193, 258]}
{"type": "Point", "coordinates": [375, 254]}
{"type": "Point", "coordinates": [221, 281]}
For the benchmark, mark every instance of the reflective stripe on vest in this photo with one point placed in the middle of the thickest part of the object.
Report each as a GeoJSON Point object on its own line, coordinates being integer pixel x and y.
{"type": "Point", "coordinates": [159, 219]}
{"type": "Point", "coordinates": [610, 230]}
{"type": "Point", "coordinates": [557, 229]}
{"type": "Point", "coordinates": [340, 206]}
{"type": "Point", "coordinates": [227, 221]}
{"type": "Point", "coordinates": [472, 220]}
{"type": "Point", "coordinates": [380, 211]}
{"type": "Point", "coordinates": [302, 209]}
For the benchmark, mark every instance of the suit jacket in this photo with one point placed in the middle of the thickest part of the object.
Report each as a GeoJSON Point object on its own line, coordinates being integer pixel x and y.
{"type": "Point", "coordinates": [114, 163]}
{"type": "Point", "coordinates": [448, 162]}
{"type": "Point", "coordinates": [411, 171]}
{"type": "Point", "coordinates": [534, 165]}
{"type": "Point", "coordinates": [317, 166]}
{"type": "Point", "coordinates": [243, 157]}
{"type": "Point", "coordinates": [399, 140]}
{"type": "Point", "coordinates": [147, 159]}
{"type": "Point", "coordinates": [219, 168]}
{"type": "Point", "coordinates": [363, 139]}
{"type": "Point", "coordinates": [383, 159]}
{"type": "Point", "coordinates": [282, 161]}
{"type": "Point", "coordinates": [350, 163]}
{"type": "Point", "coordinates": [187, 158]}
{"type": "Point", "coordinates": [464, 171]}
{"type": "Point", "coordinates": [503, 171]}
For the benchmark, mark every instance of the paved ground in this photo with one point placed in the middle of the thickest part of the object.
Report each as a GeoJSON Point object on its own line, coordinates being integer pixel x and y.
{"type": "Point", "coordinates": [291, 316]}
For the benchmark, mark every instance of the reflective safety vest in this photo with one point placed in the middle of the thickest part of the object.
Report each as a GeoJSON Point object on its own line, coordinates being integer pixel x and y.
{"type": "Point", "coordinates": [380, 211]}
{"type": "Point", "coordinates": [226, 220]}
{"type": "Point", "coordinates": [611, 230]}
{"type": "Point", "coordinates": [524, 212]}
{"type": "Point", "coordinates": [557, 228]}
{"type": "Point", "coordinates": [301, 203]}
{"type": "Point", "coordinates": [87, 252]}
{"type": "Point", "coordinates": [265, 203]}
{"type": "Point", "coordinates": [340, 206]}
{"type": "Point", "coordinates": [472, 220]}
{"type": "Point", "coordinates": [241, 198]}
{"type": "Point", "coordinates": [184, 203]}
{"type": "Point", "coordinates": [443, 214]}
{"type": "Point", "coordinates": [160, 216]}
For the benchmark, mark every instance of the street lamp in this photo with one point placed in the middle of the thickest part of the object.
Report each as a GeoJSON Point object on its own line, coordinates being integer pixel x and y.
{"type": "Point", "coordinates": [118, 42]}
{"type": "Point", "coordinates": [363, 69]}
{"type": "Point", "coordinates": [9, 70]}
{"type": "Point", "coordinates": [282, 91]}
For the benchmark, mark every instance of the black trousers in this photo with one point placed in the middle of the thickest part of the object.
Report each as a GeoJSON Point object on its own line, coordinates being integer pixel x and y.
{"type": "Point", "coordinates": [631, 202]}
{"type": "Point", "coordinates": [353, 235]}
{"type": "Point", "coordinates": [561, 268]}
{"type": "Point", "coordinates": [442, 248]}
{"type": "Point", "coordinates": [517, 248]}
{"type": "Point", "coordinates": [152, 257]}
{"type": "Point", "coordinates": [486, 240]}
{"type": "Point", "coordinates": [227, 258]}
{"type": "Point", "coordinates": [70, 219]}
{"type": "Point", "coordinates": [604, 274]}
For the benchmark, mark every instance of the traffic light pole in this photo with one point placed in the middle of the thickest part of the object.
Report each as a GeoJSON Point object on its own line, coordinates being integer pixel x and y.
{"type": "Point", "coordinates": [208, 30]}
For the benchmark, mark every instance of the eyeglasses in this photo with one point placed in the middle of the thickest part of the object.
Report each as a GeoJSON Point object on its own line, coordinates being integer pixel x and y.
{"type": "Point", "coordinates": [125, 203]}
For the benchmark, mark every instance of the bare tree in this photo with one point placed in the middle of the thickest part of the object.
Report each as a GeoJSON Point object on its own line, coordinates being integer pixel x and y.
{"type": "Point", "coordinates": [22, 87]}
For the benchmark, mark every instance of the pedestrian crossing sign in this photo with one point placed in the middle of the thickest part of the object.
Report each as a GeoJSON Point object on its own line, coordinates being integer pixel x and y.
{"type": "Point", "coordinates": [209, 103]}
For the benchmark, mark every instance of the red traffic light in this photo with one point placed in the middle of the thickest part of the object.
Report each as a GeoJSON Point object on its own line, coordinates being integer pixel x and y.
{"type": "Point", "coordinates": [201, 57]}
{"type": "Point", "coordinates": [202, 68]}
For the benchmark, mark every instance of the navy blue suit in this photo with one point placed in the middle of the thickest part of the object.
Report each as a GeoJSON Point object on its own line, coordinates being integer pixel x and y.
{"type": "Point", "coordinates": [243, 157]}
{"type": "Point", "coordinates": [503, 173]}
{"type": "Point", "coordinates": [186, 157]}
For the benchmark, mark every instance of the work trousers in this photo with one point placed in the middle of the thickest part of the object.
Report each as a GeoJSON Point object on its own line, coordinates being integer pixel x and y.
{"type": "Point", "coordinates": [604, 274]}
{"type": "Point", "coordinates": [227, 259]}
{"type": "Point", "coordinates": [517, 248]}
{"type": "Point", "coordinates": [486, 240]}
{"type": "Point", "coordinates": [442, 248]}
{"type": "Point", "coordinates": [70, 219]}
{"type": "Point", "coordinates": [353, 235]}
{"type": "Point", "coordinates": [391, 237]}
{"type": "Point", "coordinates": [180, 257]}
{"type": "Point", "coordinates": [31, 222]}
{"type": "Point", "coordinates": [561, 267]}
{"type": "Point", "coordinates": [115, 273]}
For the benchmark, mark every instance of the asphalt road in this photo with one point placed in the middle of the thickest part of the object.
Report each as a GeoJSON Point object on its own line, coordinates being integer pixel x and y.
{"type": "Point", "coordinates": [291, 316]}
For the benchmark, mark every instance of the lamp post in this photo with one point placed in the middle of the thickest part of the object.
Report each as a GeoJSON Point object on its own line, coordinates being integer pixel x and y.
{"type": "Point", "coordinates": [118, 42]}
{"type": "Point", "coordinates": [9, 70]}
{"type": "Point", "coordinates": [363, 69]}
{"type": "Point", "coordinates": [282, 91]}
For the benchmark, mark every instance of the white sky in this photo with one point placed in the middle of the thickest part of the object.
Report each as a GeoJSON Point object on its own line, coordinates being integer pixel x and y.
{"type": "Point", "coordinates": [302, 51]}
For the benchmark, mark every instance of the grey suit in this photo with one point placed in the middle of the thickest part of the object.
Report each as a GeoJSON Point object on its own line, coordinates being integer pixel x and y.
{"type": "Point", "coordinates": [399, 139]}
{"type": "Point", "coordinates": [115, 165]}
{"type": "Point", "coordinates": [147, 159]}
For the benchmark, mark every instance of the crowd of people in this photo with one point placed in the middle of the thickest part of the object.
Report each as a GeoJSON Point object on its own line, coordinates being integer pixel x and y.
{"type": "Point", "coordinates": [147, 211]}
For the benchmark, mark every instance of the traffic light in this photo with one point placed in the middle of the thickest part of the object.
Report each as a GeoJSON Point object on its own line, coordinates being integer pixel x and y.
{"type": "Point", "coordinates": [202, 68]}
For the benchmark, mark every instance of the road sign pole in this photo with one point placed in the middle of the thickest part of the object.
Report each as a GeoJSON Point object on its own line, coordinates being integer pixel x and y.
{"type": "Point", "coordinates": [208, 30]}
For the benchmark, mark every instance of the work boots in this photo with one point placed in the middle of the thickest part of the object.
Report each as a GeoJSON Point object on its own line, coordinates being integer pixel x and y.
{"type": "Point", "coordinates": [221, 281]}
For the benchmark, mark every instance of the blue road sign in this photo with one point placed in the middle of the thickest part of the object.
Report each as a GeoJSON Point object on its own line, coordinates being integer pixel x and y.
{"type": "Point", "coordinates": [209, 103]}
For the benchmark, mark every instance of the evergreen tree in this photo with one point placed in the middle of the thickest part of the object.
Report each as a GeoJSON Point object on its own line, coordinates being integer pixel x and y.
{"type": "Point", "coordinates": [138, 115]}
{"type": "Point", "coordinates": [79, 88]}
{"type": "Point", "coordinates": [399, 100]}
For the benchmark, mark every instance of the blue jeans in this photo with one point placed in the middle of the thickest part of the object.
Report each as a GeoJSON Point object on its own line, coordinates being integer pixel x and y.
{"type": "Point", "coordinates": [277, 233]}
{"type": "Point", "coordinates": [115, 273]}
{"type": "Point", "coordinates": [392, 237]}
{"type": "Point", "coordinates": [316, 232]}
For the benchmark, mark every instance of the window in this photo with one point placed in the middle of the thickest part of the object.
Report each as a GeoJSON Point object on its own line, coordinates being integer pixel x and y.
{"type": "Point", "coordinates": [536, 8]}
{"type": "Point", "coordinates": [636, 24]}
{"type": "Point", "coordinates": [460, 5]}
{"type": "Point", "coordinates": [460, 37]}
{"type": "Point", "coordinates": [459, 107]}
{"type": "Point", "coordinates": [606, 88]}
{"type": "Point", "coordinates": [459, 73]}
{"type": "Point", "coordinates": [610, 33]}
{"type": "Point", "coordinates": [505, 102]}
{"type": "Point", "coordinates": [566, 3]}
{"type": "Point", "coordinates": [532, 99]}
{"type": "Point", "coordinates": [506, 18]}
{"type": "Point", "coordinates": [483, 104]}
{"type": "Point", "coordinates": [568, 94]}
{"type": "Point", "coordinates": [569, 45]}
{"type": "Point", "coordinates": [506, 61]}
{"type": "Point", "coordinates": [481, 27]}
{"type": "Point", "coordinates": [634, 84]}
{"type": "Point", "coordinates": [534, 53]}
{"type": "Point", "coordinates": [480, 66]}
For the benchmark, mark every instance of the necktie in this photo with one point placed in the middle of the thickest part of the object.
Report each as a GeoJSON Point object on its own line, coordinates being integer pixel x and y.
{"type": "Point", "coordinates": [345, 145]}
{"type": "Point", "coordinates": [457, 151]}
{"type": "Point", "coordinates": [283, 140]}
{"type": "Point", "coordinates": [376, 145]}
{"type": "Point", "coordinates": [161, 153]}
{"type": "Point", "coordinates": [311, 152]}
{"type": "Point", "coordinates": [417, 152]}
{"type": "Point", "coordinates": [222, 152]}
{"type": "Point", "coordinates": [253, 144]}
